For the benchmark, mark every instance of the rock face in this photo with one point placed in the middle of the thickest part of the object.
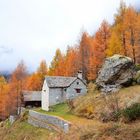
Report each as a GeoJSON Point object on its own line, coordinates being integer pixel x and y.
{"type": "Point", "coordinates": [137, 78]}
{"type": "Point", "coordinates": [116, 71]}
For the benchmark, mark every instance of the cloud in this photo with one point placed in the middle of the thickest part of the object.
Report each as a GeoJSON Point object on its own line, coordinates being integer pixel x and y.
{"type": "Point", "coordinates": [33, 29]}
{"type": "Point", "coordinates": [5, 50]}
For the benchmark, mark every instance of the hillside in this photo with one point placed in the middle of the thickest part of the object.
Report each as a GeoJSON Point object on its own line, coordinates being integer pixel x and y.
{"type": "Point", "coordinates": [82, 128]}
{"type": "Point", "coordinates": [99, 106]}
{"type": "Point", "coordinates": [21, 130]}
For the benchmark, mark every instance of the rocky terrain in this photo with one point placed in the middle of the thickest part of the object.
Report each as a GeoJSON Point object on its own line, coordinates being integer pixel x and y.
{"type": "Point", "coordinates": [117, 71]}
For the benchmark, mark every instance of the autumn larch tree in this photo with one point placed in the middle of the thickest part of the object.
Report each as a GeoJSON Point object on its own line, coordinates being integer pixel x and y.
{"type": "Point", "coordinates": [17, 85]}
{"type": "Point", "coordinates": [34, 82]}
{"type": "Point", "coordinates": [100, 45]}
{"type": "Point", "coordinates": [85, 47]}
{"type": "Point", "coordinates": [72, 61]}
{"type": "Point", "coordinates": [57, 64]}
{"type": "Point", "coordinates": [4, 98]}
{"type": "Point", "coordinates": [133, 30]}
{"type": "Point", "coordinates": [119, 26]}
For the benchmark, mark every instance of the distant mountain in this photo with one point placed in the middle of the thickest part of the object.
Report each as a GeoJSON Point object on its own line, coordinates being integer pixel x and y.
{"type": "Point", "coordinates": [6, 74]}
{"type": "Point", "coordinates": [138, 8]}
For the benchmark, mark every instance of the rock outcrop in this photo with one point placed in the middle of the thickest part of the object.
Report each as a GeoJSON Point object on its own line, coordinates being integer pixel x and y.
{"type": "Point", "coordinates": [116, 71]}
{"type": "Point", "coordinates": [137, 78]}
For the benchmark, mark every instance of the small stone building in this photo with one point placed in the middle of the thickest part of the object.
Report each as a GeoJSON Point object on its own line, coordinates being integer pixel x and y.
{"type": "Point", "coordinates": [57, 89]}
{"type": "Point", "coordinates": [32, 98]}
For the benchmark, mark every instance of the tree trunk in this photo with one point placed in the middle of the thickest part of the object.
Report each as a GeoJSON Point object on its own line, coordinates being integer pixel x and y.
{"type": "Point", "coordinates": [124, 44]}
{"type": "Point", "coordinates": [133, 45]}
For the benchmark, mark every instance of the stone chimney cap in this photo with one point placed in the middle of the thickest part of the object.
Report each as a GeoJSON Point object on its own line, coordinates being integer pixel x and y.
{"type": "Point", "coordinates": [79, 74]}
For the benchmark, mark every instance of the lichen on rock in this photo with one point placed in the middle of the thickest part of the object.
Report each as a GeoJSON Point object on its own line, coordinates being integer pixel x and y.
{"type": "Point", "coordinates": [117, 71]}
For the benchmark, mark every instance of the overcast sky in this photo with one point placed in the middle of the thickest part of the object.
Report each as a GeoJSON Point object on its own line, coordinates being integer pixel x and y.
{"type": "Point", "coordinates": [33, 29]}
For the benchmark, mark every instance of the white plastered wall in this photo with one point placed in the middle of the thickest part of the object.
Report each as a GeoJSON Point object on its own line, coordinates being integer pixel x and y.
{"type": "Point", "coordinates": [45, 97]}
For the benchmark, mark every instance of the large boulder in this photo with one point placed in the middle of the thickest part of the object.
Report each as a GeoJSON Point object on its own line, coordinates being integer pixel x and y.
{"type": "Point", "coordinates": [137, 78]}
{"type": "Point", "coordinates": [116, 71]}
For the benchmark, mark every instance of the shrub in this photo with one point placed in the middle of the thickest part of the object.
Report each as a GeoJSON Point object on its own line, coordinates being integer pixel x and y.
{"type": "Point", "coordinates": [91, 88]}
{"type": "Point", "coordinates": [137, 67]}
{"type": "Point", "coordinates": [70, 103]}
{"type": "Point", "coordinates": [87, 112]}
{"type": "Point", "coordinates": [24, 116]}
{"type": "Point", "coordinates": [112, 116]}
{"type": "Point", "coordinates": [132, 113]}
{"type": "Point", "coordinates": [84, 106]}
{"type": "Point", "coordinates": [137, 77]}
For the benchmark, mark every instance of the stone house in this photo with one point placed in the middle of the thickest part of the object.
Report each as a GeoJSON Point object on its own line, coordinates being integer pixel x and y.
{"type": "Point", "coordinates": [57, 89]}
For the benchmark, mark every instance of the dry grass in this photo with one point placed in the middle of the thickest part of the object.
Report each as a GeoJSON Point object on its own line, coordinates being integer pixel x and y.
{"type": "Point", "coordinates": [128, 95]}
{"type": "Point", "coordinates": [93, 129]}
{"type": "Point", "coordinates": [83, 128]}
{"type": "Point", "coordinates": [105, 131]}
{"type": "Point", "coordinates": [94, 104]}
{"type": "Point", "coordinates": [21, 130]}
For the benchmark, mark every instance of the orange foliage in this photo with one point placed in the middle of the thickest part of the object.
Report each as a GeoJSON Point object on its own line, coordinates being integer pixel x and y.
{"type": "Point", "coordinates": [34, 82]}
{"type": "Point", "coordinates": [123, 37]}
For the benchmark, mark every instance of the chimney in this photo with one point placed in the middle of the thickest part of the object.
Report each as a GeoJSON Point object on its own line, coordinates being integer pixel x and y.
{"type": "Point", "coordinates": [79, 74]}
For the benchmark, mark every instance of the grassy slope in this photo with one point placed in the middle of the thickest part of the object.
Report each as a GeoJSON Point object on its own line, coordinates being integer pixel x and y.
{"type": "Point", "coordinates": [82, 129]}
{"type": "Point", "coordinates": [21, 130]}
{"type": "Point", "coordinates": [96, 103]}
{"type": "Point", "coordinates": [60, 110]}
{"type": "Point", "coordinates": [86, 129]}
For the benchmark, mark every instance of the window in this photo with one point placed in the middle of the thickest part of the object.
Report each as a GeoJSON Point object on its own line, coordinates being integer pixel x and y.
{"type": "Point", "coordinates": [77, 83]}
{"type": "Point", "coordinates": [78, 90]}
{"type": "Point", "coordinates": [44, 90]}
{"type": "Point", "coordinates": [65, 89]}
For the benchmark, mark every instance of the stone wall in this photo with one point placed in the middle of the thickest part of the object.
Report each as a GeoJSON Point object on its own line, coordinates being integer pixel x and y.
{"type": "Point", "coordinates": [55, 96]}
{"type": "Point", "coordinates": [12, 118]}
{"type": "Point", "coordinates": [21, 110]}
{"type": "Point", "coordinates": [48, 121]}
{"type": "Point", "coordinates": [59, 95]}
{"type": "Point", "coordinates": [77, 84]}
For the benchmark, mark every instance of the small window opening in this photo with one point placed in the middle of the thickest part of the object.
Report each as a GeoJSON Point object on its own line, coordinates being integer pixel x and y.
{"type": "Point", "coordinates": [78, 90]}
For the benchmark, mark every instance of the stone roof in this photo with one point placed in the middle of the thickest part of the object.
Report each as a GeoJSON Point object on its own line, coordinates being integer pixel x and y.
{"type": "Point", "coordinates": [31, 95]}
{"type": "Point", "coordinates": [59, 81]}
